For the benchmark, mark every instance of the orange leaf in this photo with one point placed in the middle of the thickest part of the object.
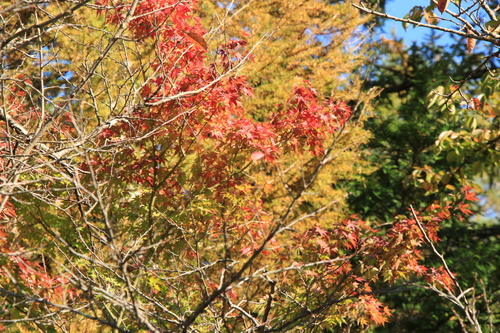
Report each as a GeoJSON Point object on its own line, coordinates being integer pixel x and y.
{"type": "Point", "coordinates": [442, 4]}
{"type": "Point", "coordinates": [196, 39]}
{"type": "Point", "coordinates": [476, 103]}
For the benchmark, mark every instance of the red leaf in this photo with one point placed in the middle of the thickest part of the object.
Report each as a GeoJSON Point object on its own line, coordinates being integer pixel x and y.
{"type": "Point", "coordinates": [442, 4]}
{"type": "Point", "coordinates": [246, 251]}
{"type": "Point", "coordinates": [320, 231]}
{"type": "Point", "coordinates": [476, 103]}
{"type": "Point", "coordinates": [470, 195]}
{"type": "Point", "coordinates": [257, 155]}
{"type": "Point", "coordinates": [377, 312]}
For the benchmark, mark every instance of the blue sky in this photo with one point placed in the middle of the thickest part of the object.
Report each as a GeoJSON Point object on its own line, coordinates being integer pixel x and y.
{"type": "Point", "coordinates": [400, 8]}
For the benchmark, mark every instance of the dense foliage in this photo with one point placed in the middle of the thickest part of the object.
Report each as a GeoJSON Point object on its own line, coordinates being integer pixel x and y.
{"type": "Point", "coordinates": [175, 166]}
{"type": "Point", "coordinates": [438, 109]}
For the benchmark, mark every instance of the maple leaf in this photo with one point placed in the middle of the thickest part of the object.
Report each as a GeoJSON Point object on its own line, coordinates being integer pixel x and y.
{"type": "Point", "coordinates": [470, 195]}
{"type": "Point", "coordinates": [320, 231]}
{"type": "Point", "coordinates": [441, 277]}
{"type": "Point", "coordinates": [463, 208]}
{"type": "Point", "coordinates": [376, 311]}
{"type": "Point", "coordinates": [247, 250]}
{"type": "Point", "coordinates": [257, 155]}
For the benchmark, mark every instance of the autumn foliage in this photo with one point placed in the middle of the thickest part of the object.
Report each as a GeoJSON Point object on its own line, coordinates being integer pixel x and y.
{"type": "Point", "coordinates": [144, 196]}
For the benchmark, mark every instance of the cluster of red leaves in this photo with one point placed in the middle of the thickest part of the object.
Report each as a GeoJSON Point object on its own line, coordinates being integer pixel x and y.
{"type": "Point", "coordinates": [12, 263]}
{"type": "Point", "coordinates": [25, 271]}
{"type": "Point", "coordinates": [8, 212]}
{"type": "Point", "coordinates": [303, 124]}
{"type": "Point", "coordinates": [396, 252]}
{"type": "Point", "coordinates": [35, 277]}
{"type": "Point", "coordinates": [342, 238]}
{"type": "Point", "coordinates": [391, 255]}
{"type": "Point", "coordinates": [16, 94]}
{"type": "Point", "coordinates": [364, 257]}
{"type": "Point", "coordinates": [457, 206]}
{"type": "Point", "coordinates": [351, 274]}
{"type": "Point", "coordinates": [16, 265]}
{"type": "Point", "coordinates": [467, 196]}
{"type": "Point", "coordinates": [16, 107]}
{"type": "Point", "coordinates": [440, 278]}
{"type": "Point", "coordinates": [151, 16]}
{"type": "Point", "coordinates": [208, 111]}
{"type": "Point", "coordinates": [194, 109]}
{"type": "Point", "coordinates": [377, 312]}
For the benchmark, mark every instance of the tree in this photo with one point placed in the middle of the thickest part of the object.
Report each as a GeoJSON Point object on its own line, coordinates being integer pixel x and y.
{"type": "Point", "coordinates": [303, 41]}
{"type": "Point", "coordinates": [138, 193]}
{"type": "Point", "coordinates": [404, 134]}
{"type": "Point", "coordinates": [450, 113]}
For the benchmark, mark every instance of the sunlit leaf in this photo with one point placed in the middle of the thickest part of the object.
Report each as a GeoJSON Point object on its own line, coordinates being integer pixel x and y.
{"type": "Point", "coordinates": [492, 25]}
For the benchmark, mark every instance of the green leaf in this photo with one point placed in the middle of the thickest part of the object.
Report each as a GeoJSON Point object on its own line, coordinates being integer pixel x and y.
{"type": "Point", "coordinates": [472, 123]}
{"type": "Point", "coordinates": [431, 99]}
{"type": "Point", "coordinates": [445, 179]}
{"type": "Point", "coordinates": [451, 156]}
{"type": "Point", "coordinates": [406, 24]}
{"type": "Point", "coordinates": [492, 25]}
{"type": "Point", "coordinates": [432, 6]}
{"type": "Point", "coordinates": [477, 167]}
{"type": "Point", "coordinates": [416, 13]}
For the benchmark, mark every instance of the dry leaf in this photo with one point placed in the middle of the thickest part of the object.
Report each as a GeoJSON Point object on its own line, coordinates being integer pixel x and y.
{"type": "Point", "coordinates": [471, 43]}
{"type": "Point", "coordinates": [196, 39]}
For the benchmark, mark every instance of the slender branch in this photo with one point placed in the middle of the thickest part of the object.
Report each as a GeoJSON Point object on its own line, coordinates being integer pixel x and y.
{"type": "Point", "coordinates": [39, 26]}
{"type": "Point", "coordinates": [64, 308]}
{"type": "Point", "coordinates": [490, 38]}
{"type": "Point", "coordinates": [470, 313]}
